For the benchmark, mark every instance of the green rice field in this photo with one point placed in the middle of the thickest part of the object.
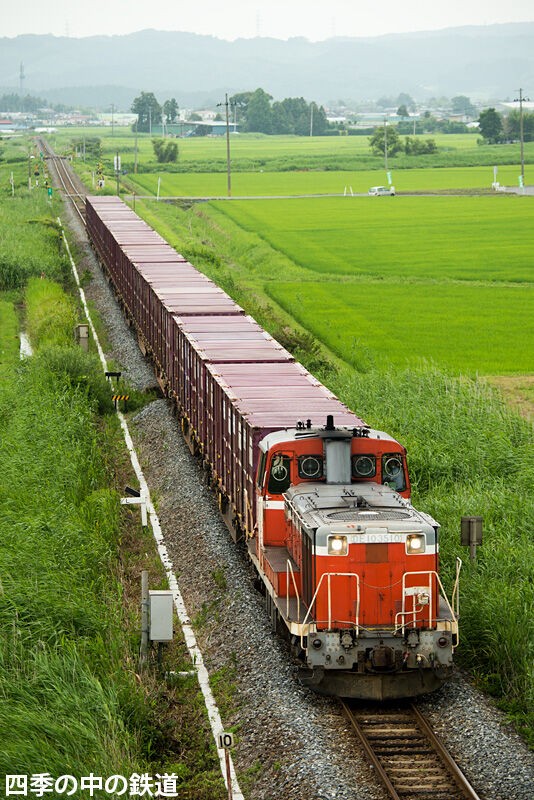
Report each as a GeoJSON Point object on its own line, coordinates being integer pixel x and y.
{"type": "Point", "coordinates": [465, 238]}
{"type": "Point", "coordinates": [260, 183]}
{"type": "Point", "coordinates": [446, 279]}
{"type": "Point", "coordinates": [463, 328]}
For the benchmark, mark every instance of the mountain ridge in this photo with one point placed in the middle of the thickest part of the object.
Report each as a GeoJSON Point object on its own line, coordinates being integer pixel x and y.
{"type": "Point", "coordinates": [484, 62]}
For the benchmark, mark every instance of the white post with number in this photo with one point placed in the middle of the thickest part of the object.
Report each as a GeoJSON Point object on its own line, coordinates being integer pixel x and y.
{"type": "Point", "coordinates": [225, 741]}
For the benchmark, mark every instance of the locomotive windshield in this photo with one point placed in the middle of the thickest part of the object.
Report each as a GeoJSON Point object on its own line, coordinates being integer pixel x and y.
{"type": "Point", "coordinates": [393, 472]}
{"type": "Point", "coordinates": [279, 476]}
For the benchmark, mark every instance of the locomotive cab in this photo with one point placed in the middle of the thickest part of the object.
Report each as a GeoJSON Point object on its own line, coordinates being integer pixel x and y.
{"type": "Point", "coordinates": [350, 566]}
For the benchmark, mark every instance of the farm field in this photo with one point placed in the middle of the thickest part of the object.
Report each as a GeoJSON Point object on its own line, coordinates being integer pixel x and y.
{"type": "Point", "coordinates": [447, 279]}
{"type": "Point", "coordinates": [246, 184]}
{"type": "Point", "coordinates": [465, 329]}
{"type": "Point", "coordinates": [464, 238]}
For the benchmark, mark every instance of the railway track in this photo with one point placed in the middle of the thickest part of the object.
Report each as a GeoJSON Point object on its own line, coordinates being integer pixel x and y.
{"type": "Point", "coordinates": [64, 179]}
{"type": "Point", "coordinates": [409, 758]}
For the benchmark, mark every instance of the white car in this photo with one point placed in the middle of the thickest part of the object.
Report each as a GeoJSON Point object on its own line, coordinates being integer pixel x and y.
{"type": "Point", "coordinates": [378, 190]}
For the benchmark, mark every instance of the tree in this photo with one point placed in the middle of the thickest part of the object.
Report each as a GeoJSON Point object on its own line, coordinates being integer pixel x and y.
{"type": "Point", "coordinates": [148, 111]}
{"type": "Point", "coordinates": [166, 152]}
{"type": "Point", "coordinates": [170, 109]}
{"type": "Point", "coordinates": [512, 126]}
{"type": "Point", "coordinates": [462, 105]}
{"type": "Point", "coordinates": [402, 111]}
{"type": "Point", "coordinates": [259, 114]}
{"type": "Point", "coordinates": [378, 141]}
{"type": "Point", "coordinates": [490, 125]}
{"type": "Point", "coordinates": [417, 147]}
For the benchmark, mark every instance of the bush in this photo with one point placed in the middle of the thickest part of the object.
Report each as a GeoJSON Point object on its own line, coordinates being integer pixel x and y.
{"type": "Point", "coordinates": [166, 152]}
{"type": "Point", "coordinates": [81, 371]}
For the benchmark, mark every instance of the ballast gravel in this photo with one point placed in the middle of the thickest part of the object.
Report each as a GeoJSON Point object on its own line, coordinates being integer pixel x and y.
{"type": "Point", "coordinates": [293, 745]}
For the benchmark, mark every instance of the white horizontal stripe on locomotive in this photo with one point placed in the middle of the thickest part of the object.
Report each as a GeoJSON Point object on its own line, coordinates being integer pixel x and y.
{"type": "Point", "coordinates": [381, 535]}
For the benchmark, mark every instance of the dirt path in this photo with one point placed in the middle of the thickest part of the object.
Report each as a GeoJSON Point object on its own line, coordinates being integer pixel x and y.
{"type": "Point", "coordinates": [518, 391]}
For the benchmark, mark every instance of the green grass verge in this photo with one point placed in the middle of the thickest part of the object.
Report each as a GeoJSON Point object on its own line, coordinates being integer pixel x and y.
{"type": "Point", "coordinates": [9, 339]}
{"type": "Point", "coordinates": [66, 701]}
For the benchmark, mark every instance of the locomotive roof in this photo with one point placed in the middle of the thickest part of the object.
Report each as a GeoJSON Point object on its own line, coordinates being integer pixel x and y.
{"type": "Point", "coordinates": [355, 508]}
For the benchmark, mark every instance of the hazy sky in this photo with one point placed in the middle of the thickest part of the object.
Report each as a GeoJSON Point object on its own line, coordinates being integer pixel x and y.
{"type": "Point", "coordinates": [230, 19]}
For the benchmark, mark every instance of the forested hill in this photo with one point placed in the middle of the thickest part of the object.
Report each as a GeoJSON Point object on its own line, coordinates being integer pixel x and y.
{"type": "Point", "coordinates": [482, 62]}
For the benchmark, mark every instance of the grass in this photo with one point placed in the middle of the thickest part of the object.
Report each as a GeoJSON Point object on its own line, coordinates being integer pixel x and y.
{"type": "Point", "coordinates": [264, 183]}
{"type": "Point", "coordinates": [60, 621]}
{"type": "Point", "coordinates": [466, 329]}
{"type": "Point", "coordinates": [9, 339]}
{"type": "Point", "coordinates": [51, 314]}
{"type": "Point", "coordinates": [465, 238]}
{"type": "Point", "coordinates": [31, 242]}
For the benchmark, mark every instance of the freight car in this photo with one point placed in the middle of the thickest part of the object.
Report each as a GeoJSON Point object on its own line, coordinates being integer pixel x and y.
{"type": "Point", "coordinates": [322, 501]}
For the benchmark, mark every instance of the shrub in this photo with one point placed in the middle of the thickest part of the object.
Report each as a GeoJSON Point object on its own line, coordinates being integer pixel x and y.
{"type": "Point", "coordinates": [81, 371]}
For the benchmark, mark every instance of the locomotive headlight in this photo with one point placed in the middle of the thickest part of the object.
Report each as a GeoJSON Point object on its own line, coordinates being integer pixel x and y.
{"type": "Point", "coordinates": [337, 546]}
{"type": "Point", "coordinates": [415, 543]}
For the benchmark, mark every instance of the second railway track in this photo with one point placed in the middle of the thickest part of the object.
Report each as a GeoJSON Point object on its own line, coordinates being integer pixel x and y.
{"type": "Point", "coordinates": [411, 761]}
{"type": "Point", "coordinates": [64, 179]}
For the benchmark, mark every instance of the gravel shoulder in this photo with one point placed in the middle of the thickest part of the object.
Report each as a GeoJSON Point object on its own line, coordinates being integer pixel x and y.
{"type": "Point", "coordinates": [292, 744]}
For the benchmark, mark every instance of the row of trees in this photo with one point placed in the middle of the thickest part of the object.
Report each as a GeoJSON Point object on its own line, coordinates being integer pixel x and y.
{"type": "Point", "coordinates": [28, 104]}
{"type": "Point", "coordinates": [390, 137]}
{"type": "Point", "coordinates": [497, 128]}
{"type": "Point", "coordinates": [257, 113]}
{"type": "Point", "coordinates": [150, 112]}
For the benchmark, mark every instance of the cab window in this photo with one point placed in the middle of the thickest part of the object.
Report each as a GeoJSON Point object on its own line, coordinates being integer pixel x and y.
{"type": "Point", "coordinates": [363, 466]}
{"type": "Point", "coordinates": [393, 471]}
{"type": "Point", "coordinates": [311, 468]}
{"type": "Point", "coordinates": [279, 477]}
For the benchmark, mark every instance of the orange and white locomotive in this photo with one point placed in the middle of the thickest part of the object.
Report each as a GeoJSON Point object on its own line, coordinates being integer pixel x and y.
{"type": "Point", "coordinates": [351, 568]}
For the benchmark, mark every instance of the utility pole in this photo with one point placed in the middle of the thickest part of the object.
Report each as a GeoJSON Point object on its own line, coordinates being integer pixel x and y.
{"type": "Point", "coordinates": [135, 146]}
{"type": "Point", "coordinates": [150, 120]}
{"type": "Point", "coordinates": [385, 144]}
{"type": "Point", "coordinates": [112, 120]}
{"type": "Point", "coordinates": [311, 119]}
{"type": "Point", "coordinates": [521, 99]}
{"type": "Point", "coordinates": [228, 165]}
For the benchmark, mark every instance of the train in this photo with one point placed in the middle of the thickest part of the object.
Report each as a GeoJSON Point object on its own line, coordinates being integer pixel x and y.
{"type": "Point", "coordinates": [319, 500]}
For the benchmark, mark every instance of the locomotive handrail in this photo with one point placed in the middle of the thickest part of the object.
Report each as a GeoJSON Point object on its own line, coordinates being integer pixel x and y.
{"type": "Point", "coordinates": [429, 573]}
{"type": "Point", "coordinates": [455, 591]}
{"type": "Point", "coordinates": [331, 575]}
{"type": "Point", "coordinates": [289, 569]}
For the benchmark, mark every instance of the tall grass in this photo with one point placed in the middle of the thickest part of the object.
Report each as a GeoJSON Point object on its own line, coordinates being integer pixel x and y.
{"type": "Point", "coordinates": [9, 340]}
{"type": "Point", "coordinates": [65, 696]}
{"type": "Point", "coordinates": [50, 314]}
{"type": "Point", "coordinates": [31, 243]}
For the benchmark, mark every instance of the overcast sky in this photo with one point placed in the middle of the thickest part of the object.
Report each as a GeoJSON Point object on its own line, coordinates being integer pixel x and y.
{"type": "Point", "coordinates": [230, 19]}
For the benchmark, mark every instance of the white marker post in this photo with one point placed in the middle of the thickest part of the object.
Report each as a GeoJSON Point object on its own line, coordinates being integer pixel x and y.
{"type": "Point", "coordinates": [226, 741]}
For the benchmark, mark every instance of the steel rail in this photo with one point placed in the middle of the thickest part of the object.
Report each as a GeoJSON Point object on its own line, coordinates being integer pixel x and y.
{"type": "Point", "coordinates": [65, 178]}
{"type": "Point", "coordinates": [408, 757]}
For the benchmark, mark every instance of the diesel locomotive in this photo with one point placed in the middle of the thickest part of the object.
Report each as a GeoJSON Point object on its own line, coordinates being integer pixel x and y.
{"type": "Point", "coordinates": [348, 566]}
